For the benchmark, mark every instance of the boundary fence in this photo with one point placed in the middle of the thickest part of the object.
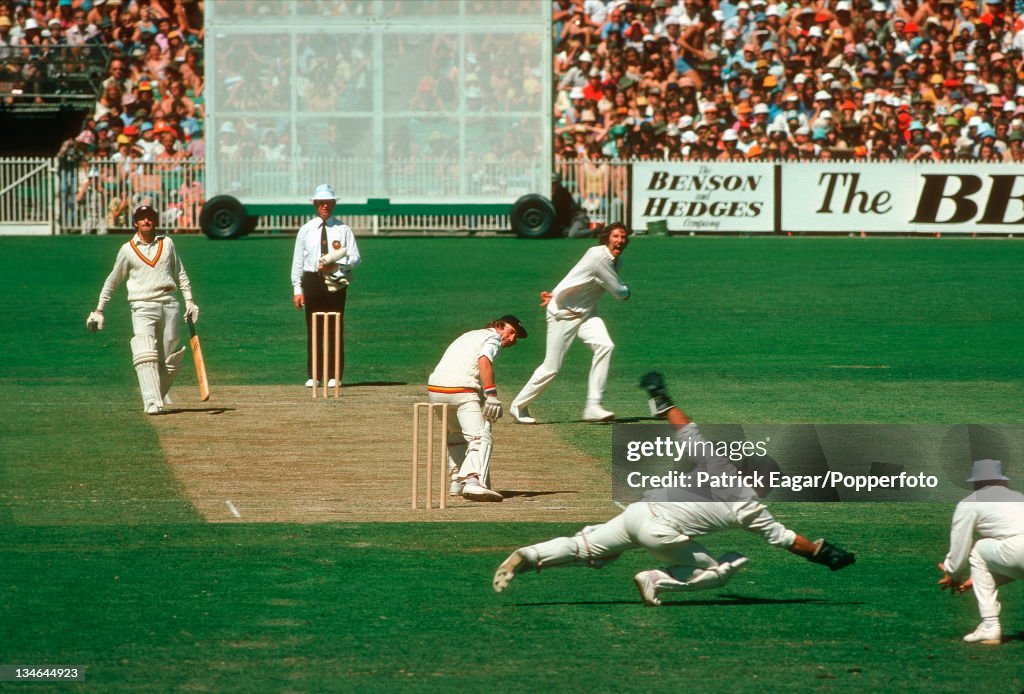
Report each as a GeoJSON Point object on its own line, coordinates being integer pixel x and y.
{"type": "Point", "coordinates": [41, 195]}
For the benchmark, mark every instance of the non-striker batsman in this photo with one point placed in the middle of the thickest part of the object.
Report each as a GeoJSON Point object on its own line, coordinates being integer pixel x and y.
{"type": "Point", "coordinates": [150, 266]}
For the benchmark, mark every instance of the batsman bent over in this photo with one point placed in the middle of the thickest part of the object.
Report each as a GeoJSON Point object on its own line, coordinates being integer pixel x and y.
{"type": "Point", "coordinates": [464, 379]}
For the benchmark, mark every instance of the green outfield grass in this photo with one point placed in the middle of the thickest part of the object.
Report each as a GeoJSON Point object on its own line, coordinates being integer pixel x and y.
{"type": "Point", "coordinates": [104, 563]}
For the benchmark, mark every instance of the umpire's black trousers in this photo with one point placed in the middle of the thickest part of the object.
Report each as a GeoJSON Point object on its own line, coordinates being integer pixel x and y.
{"type": "Point", "coordinates": [317, 298]}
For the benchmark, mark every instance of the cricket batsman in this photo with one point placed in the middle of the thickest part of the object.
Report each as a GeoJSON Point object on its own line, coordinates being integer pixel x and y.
{"type": "Point", "coordinates": [464, 380]}
{"type": "Point", "coordinates": [154, 273]}
{"type": "Point", "coordinates": [669, 531]}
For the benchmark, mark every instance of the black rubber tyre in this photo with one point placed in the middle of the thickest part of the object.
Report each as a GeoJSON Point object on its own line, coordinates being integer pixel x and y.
{"type": "Point", "coordinates": [250, 225]}
{"type": "Point", "coordinates": [223, 217]}
{"type": "Point", "coordinates": [533, 216]}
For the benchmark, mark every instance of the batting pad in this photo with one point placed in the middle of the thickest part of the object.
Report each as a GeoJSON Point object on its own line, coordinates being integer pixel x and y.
{"type": "Point", "coordinates": [145, 358]}
{"type": "Point", "coordinates": [171, 367]}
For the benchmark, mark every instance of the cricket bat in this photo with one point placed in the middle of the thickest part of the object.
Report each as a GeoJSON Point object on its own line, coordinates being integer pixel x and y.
{"type": "Point", "coordinates": [197, 357]}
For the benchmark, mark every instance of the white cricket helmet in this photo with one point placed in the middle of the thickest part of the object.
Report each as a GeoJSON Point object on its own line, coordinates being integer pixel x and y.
{"type": "Point", "coordinates": [324, 192]}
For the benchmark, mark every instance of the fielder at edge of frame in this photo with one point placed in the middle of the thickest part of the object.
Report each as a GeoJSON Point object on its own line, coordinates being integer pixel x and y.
{"type": "Point", "coordinates": [464, 379]}
{"type": "Point", "coordinates": [668, 530]}
{"type": "Point", "coordinates": [154, 272]}
{"type": "Point", "coordinates": [986, 541]}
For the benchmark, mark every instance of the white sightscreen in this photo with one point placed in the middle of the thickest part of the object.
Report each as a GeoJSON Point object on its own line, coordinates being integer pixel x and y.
{"type": "Point", "coordinates": [414, 100]}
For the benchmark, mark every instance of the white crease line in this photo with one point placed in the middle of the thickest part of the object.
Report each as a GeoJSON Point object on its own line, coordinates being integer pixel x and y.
{"type": "Point", "coordinates": [619, 505]}
{"type": "Point", "coordinates": [234, 511]}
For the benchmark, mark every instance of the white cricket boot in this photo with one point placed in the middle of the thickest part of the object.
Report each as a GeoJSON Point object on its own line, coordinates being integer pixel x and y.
{"type": "Point", "coordinates": [987, 633]}
{"type": "Point", "coordinates": [474, 490]}
{"type": "Point", "coordinates": [521, 414]}
{"type": "Point", "coordinates": [593, 412]}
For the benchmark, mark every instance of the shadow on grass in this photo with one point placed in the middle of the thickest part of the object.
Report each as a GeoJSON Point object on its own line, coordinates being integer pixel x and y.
{"type": "Point", "coordinates": [207, 410]}
{"type": "Point", "coordinates": [374, 383]}
{"type": "Point", "coordinates": [635, 420]}
{"type": "Point", "coordinates": [617, 420]}
{"type": "Point", "coordinates": [508, 494]}
{"type": "Point", "coordinates": [728, 600]}
{"type": "Point", "coordinates": [1019, 636]}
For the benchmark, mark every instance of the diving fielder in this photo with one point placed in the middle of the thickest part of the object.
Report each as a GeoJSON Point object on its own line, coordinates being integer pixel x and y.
{"type": "Point", "coordinates": [571, 313]}
{"type": "Point", "coordinates": [154, 273]}
{"type": "Point", "coordinates": [994, 514]}
{"type": "Point", "coordinates": [668, 531]}
{"type": "Point", "coordinates": [464, 379]}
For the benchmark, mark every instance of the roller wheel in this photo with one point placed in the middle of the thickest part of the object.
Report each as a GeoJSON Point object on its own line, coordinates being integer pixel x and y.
{"type": "Point", "coordinates": [223, 217]}
{"type": "Point", "coordinates": [533, 216]}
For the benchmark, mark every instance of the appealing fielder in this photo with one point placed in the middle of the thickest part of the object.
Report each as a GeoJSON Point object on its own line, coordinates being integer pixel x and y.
{"type": "Point", "coordinates": [668, 531]}
{"type": "Point", "coordinates": [571, 313]}
{"type": "Point", "coordinates": [464, 379]}
{"type": "Point", "coordinates": [154, 273]}
{"type": "Point", "coordinates": [994, 514]}
{"type": "Point", "coordinates": [325, 254]}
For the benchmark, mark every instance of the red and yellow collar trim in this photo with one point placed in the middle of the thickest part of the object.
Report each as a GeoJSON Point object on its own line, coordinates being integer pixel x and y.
{"type": "Point", "coordinates": [142, 256]}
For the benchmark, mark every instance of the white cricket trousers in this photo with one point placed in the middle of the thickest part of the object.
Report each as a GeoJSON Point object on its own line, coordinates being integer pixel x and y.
{"type": "Point", "coordinates": [592, 332]}
{"type": "Point", "coordinates": [469, 436]}
{"type": "Point", "coordinates": [159, 320]}
{"type": "Point", "coordinates": [994, 563]}
{"type": "Point", "coordinates": [689, 566]}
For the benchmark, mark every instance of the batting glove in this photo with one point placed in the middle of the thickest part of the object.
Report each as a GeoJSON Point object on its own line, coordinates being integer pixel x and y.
{"type": "Point", "coordinates": [191, 312]}
{"type": "Point", "coordinates": [492, 408]}
{"type": "Point", "coordinates": [94, 322]}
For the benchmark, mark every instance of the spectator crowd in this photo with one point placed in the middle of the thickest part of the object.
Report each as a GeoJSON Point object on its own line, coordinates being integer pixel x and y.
{"type": "Point", "coordinates": [147, 123]}
{"type": "Point", "coordinates": [881, 80]}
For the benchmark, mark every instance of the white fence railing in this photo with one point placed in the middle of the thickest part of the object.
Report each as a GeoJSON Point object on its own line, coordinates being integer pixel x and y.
{"type": "Point", "coordinates": [49, 195]}
{"type": "Point", "coordinates": [27, 194]}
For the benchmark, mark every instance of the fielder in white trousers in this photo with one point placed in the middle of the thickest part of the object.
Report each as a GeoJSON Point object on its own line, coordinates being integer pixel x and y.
{"type": "Point", "coordinates": [571, 313]}
{"type": "Point", "coordinates": [668, 530]}
{"type": "Point", "coordinates": [994, 514]}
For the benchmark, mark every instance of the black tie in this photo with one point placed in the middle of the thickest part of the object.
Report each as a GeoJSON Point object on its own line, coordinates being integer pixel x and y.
{"type": "Point", "coordinates": [323, 238]}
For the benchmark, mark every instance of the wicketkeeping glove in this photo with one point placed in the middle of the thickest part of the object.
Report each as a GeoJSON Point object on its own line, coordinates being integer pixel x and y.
{"type": "Point", "coordinates": [94, 322]}
{"type": "Point", "coordinates": [492, 408]}
{"type": "Point", "coordinates": [659, 401]}
{"type": "Point", "coordinates": [831, 556]}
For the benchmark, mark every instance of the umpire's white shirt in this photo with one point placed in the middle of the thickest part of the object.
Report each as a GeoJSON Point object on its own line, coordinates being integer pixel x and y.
{"type": "Point", "coordinates": [458, 367]}
{"type": "Point", "coordinates": [580, 290]}
{"type": "Point", "coordinates": [994, 512]}
{"type": "Point", "coordinates": [306, 257]}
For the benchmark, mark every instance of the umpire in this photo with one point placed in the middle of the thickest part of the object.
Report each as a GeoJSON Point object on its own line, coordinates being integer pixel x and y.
{"type": "Point", "coordinates": [325, 254]}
